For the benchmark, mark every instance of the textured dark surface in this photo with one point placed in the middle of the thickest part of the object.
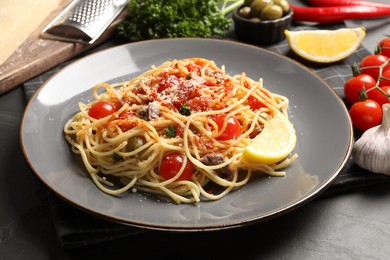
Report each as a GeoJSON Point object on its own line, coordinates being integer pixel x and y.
{"type": "Point", "coordinates": [349, 223]}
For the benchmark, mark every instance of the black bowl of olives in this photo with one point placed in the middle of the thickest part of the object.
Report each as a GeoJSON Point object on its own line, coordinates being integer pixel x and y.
{"type": "Point", "coordinates": [262, 21]}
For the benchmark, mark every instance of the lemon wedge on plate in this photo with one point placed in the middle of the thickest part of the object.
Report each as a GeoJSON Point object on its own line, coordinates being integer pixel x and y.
{"type": "Point", "coordinates": [273, 144]}
{"type": "Point", "coordinates": [325, 46]}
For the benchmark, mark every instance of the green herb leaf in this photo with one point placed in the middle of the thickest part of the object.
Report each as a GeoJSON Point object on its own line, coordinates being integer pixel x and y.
{"type": "Point", "coordinates": [170, 131]}
{"type": "Point", "coordinates": [151, 19]}
{"type": "Point", "coordinates": [185, 110]}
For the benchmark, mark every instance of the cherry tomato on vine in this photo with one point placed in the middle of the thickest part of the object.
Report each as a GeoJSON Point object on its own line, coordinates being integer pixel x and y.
{"type": "Point", "coordinates": [171, 165]}
{"type": "Point", "coordinates": [383, 47]}
{"type": "Point", "coordinates": [366, 114]}
{"type": "Point", "coordinates": [354, 85]}
{"type": "Point", "coordinates": [101, 109]}
{"type": "Point", "coordinates": [232, 130]}
{"type": "Point", "coordinates": [373, 61]}
{"type": "Point", "coordinates": [385, 80]}
{"type": "Point", "coordinates": [378, 96]}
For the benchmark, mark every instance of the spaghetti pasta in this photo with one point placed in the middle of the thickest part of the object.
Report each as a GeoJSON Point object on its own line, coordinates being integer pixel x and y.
{"type": "Point", "coordinates": [177, 130]}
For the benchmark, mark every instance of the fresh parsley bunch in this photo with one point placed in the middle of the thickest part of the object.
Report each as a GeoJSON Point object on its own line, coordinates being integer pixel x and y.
{"type": "Point", "coordinates": [151, 19]}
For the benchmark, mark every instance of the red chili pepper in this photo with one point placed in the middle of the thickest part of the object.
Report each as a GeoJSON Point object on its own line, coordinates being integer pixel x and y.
{"type": "Point", "coordinates": [323, 3]}
{"type": "Point", "coordinates": [338, 13]}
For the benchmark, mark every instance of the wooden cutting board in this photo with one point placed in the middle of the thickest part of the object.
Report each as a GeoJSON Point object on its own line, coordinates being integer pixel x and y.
{"type": "Point", "coordinates": [37, 55]}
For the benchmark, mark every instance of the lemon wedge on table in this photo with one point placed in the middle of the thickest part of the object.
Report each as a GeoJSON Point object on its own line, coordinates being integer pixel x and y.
{"type": "Point", "coordinates": [273, 144]}
{"type": "Point", "coordinates": [325, 46]}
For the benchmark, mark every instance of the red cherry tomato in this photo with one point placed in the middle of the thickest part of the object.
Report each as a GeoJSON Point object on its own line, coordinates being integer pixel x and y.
{"type": "Point", "coordinates": [171, 165]}
{"type": "Point", "coordinates": [201, 103]}
{"type": "Point", "coordinates": [385, 80]}
{"type": "Point", "coordinates": [232, 130]}
{"type": "Point", "coordinates": [383, 47]}
{"type": "Point", "coordinates": [369, 65]}
{"type": "Point", "coordinates": [378, 96]}
{"type": "Point", "coordinates": [101, 109]}
{"type": "Point", "coordinates": [366, 114]}
{"type": "Point", "coordinates": [166, 81]}
{"type": "Point", "coordinates": [354, 85]}
{"type": "Point", "coordinates": [255, 103]}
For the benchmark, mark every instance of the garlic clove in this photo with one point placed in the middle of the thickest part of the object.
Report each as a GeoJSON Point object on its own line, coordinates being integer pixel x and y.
{"type": "Point", "coordinates": [372, 150]}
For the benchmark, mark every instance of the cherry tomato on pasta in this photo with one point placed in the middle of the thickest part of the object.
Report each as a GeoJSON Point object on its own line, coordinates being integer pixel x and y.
{"type": "Point", "coordinates": [232, 130]}
{"type": "Point", "coordinates": [101, 109]}
{"type": "Point", "coordinates": [201, 103]}
{"type": "Point", "coordinates": [366, 114]}
{"type": "Point", "coordinates": [166, 81]}
{"type": "Point", "coordinates": [383, 47]}
{"type": "Point", "coordinates": [354, 85]}
{"type": "Point", "coordinates": [171, 165]}
{"type": "Point", "coordinates": [369, 65]}
{"type": "Point", "coordinates": [378, 96]}
{"type": "Point", "coordinates": [254, 103]}
{"type": "Point", "coordinates": [193, 68]}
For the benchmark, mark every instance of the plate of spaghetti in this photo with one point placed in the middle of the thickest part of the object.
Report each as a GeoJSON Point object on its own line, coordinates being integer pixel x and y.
{"type": "Point", "coordinates": [180, 134]}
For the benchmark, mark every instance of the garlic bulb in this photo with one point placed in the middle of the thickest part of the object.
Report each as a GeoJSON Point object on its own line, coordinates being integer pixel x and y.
{"type": "Point", "coordinates": [372, 150]}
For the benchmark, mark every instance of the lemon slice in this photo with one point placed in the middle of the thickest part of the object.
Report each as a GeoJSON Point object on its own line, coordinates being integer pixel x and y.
{"type": "Point", "coordinates": [273, 144]}
{"type": "Point", "coordinates": [325, 46]}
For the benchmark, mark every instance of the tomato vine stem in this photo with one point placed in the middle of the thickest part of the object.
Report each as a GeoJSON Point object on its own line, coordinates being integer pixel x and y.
{"type": "Point", "coordinates": [356, 69]}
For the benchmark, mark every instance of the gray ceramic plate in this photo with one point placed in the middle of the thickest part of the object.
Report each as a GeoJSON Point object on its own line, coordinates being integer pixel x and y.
{"type": "Point", "coordinates": [323, 129]}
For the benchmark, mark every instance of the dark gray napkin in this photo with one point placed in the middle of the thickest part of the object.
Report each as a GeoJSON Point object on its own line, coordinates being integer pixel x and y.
{"type": "Point", "coordinates": [75, 228]}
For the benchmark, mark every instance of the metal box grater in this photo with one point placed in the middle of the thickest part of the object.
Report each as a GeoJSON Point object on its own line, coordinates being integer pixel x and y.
{"type": "Point", "coordinates": [83, 21]}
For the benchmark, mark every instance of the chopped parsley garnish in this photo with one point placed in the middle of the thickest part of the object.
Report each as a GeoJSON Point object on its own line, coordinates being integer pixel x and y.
{"type": "Point", "coordinates": [170, 131]}
{"type": "Point", "coordinates": [185, 110]}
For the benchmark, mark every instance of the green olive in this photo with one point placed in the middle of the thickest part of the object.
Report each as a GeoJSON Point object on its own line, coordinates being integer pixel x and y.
{"type": "Point", "coordinates": [245, 12]}
{"type": "Point", "coordinates": [255, 19]}
{"type": "Point", "coordinates": [284, 4]}
{"type": "Point", "coordinates": [248, 2]}
{"type": "Point", "coordinates": [271, 12]}
{"type": "Point", "coordinates": [258, 5]}
{"type": "Point", "coordinates": [134, 143]}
